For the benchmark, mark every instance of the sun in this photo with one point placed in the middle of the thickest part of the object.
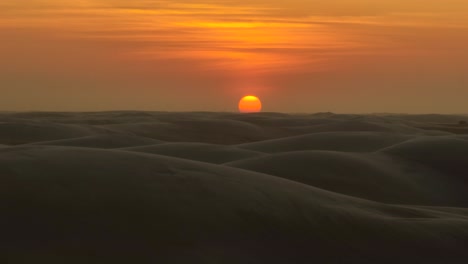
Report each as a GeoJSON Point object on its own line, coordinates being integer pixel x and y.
{"type": "Point", "coordinates": [250, 104]}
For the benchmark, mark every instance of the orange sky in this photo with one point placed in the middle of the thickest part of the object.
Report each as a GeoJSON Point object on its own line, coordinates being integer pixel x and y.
{"type": "Point", "coordinates": [184, 55]}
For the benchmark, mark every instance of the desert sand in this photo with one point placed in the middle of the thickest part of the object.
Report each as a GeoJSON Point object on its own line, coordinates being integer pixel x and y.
{"type": "Point", "coordinates": [160, 187]}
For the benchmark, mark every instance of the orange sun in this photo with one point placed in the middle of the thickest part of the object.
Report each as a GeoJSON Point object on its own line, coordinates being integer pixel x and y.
{"type": "Point", "coordinates": [250, 104]}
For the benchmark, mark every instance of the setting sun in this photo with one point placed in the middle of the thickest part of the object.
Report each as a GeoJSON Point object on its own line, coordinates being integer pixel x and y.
{"type": "Point", "coordinates": [250, 104]}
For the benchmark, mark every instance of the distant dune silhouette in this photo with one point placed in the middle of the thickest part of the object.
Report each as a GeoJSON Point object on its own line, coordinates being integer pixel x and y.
{"type": "Point", "coordinates": [161, 187]}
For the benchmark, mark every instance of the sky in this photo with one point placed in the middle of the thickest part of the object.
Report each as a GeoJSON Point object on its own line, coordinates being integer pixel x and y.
{"type": "Point", "coordinates": [348, 56]}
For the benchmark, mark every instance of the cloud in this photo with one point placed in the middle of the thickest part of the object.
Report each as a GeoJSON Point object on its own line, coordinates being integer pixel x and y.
{"type": "Point", "coordinates": [224, 35]}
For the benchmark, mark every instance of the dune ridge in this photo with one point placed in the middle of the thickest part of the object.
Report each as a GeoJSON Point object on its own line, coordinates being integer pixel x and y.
{"type": "Point", "coordinates": [373, 177]}
{"type": "Point", "coordinates": [334, 141]}
{"type": "Point", "coordinates": [103, 141]}
{"type": "Point", "coordinates": [204, 152]}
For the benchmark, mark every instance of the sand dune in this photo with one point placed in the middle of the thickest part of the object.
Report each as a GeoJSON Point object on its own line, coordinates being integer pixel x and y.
{"type": "Point", "coordinates": [366, 176]}
{"type": "Point", "coordinates": [199, 151]}
{"type": "Point", "coordinates": [138, 187]}
{"type": "Point", "coordinates": [279, 120]}
{"type": "Point", "coordinates": [360, 125]}
{"type": "Point", "coordinates": [427, 118]}
{"type": "Point", "coordinates": [103, 141]}
{"type": "Point", "coordinates": [127, 206]}
{"type": "Point", "coordinates": [446, 155]}
{"type": "Point", "coordinates": [337, 141]}
{"type": "Point", "coordinates": [21, 133]}
{"type": "Point", "coordinates": [439, 152]}
{"type": "Point", "coordinates": [208, 131]}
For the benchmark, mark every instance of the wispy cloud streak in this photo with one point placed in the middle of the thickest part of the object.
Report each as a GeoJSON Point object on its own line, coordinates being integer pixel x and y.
{"type": "Point", "coordinates": [247, 36]}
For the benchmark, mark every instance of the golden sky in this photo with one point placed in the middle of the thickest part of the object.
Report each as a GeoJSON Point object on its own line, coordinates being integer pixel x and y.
{"type": "Point", "coordinates": [183, 55]}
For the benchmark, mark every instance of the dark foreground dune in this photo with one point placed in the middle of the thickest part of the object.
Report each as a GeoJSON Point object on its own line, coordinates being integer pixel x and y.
{"type": "Point", "coordinates": [155, 187]}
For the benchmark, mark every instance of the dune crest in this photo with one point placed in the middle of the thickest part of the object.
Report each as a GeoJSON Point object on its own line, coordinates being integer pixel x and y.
{"type": "Point", "coordinates": [103, 141]}
{"type": "Point", "coordinates": [210, 153]}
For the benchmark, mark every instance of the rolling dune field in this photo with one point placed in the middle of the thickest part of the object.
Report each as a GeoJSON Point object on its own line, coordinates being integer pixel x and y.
{"type": "Point", "coordinates": [202, 187]}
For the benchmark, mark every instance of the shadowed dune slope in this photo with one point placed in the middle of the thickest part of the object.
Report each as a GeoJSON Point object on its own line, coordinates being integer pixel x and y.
{"type": "Point", "coordinates": [335, 141]}
{"type": "Point", "coordinates": [199, 151]}
{"type": "Point", "coordinates": [103, 141]}
{"type": "Point", "coordinates": [28, 132]}
{"type": "Point", "coordinates": [61, 203]}
{"type": "Point", "coordinates": [452, 210]}
{"type": "Point", "coordinates": [450, 155]}
{"type": "Point", "coordinates": [367, 176]}
{"type": "Point", "coordinates": [464, 137]}
{"type": "Point", "coordinates": [446, 155]}
{"type": "Point", "coordinates": [198, 130]}
{"type": "Point", "coordinates": [362, 125]}
{"type": "Point", "coordinates": [279, 120]}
